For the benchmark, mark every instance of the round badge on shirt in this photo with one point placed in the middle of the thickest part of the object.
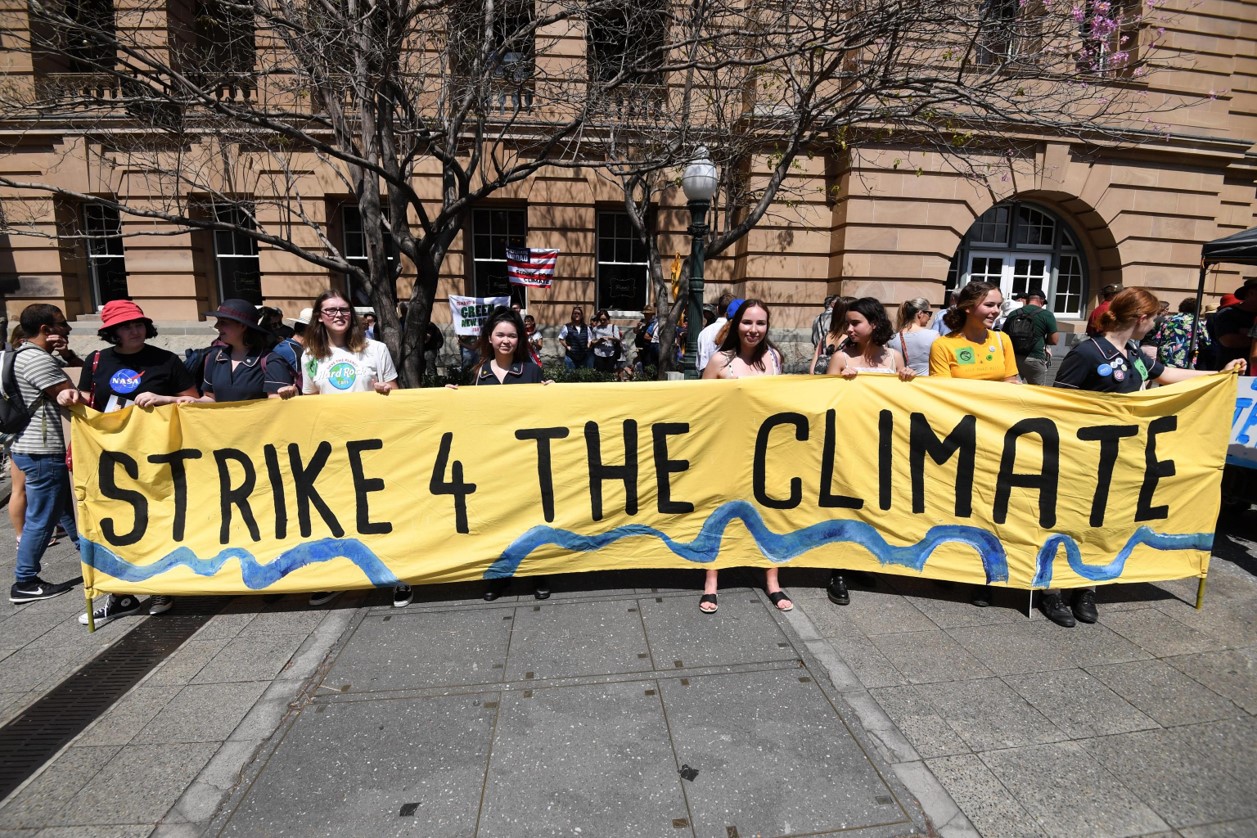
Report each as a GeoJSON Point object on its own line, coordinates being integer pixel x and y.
{"type": "Point", "coordinates": [1104, 370]}
{"type": "Point", "coordinates": [1119, 375]}
{"type": "Point", "coordinates": [125, 381]}
{"type": "Point", "coordinates": [342, 375]}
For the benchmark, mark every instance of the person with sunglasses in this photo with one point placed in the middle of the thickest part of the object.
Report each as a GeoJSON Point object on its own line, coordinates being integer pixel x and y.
{"type": "Point", "coordinates": [340, 358]}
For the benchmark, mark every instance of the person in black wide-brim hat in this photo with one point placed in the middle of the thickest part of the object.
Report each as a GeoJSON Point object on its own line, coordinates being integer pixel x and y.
{"type": "Point", "coordinates": [238, 369]}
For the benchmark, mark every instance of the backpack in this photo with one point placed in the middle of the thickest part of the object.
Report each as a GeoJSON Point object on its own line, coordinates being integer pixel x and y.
{"type": "Point", "coordinates": [15, 414]}
{"type": "Point", "coordinates": [1019, 326]}
{"type": "Point", "coordinates": [289, 351]}
{"type": "Point", "coordinates": [195, 361]}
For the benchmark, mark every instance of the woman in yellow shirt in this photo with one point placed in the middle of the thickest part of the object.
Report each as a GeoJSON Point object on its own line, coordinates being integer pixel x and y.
{"type": "Point", "coordinates": [975, 351]}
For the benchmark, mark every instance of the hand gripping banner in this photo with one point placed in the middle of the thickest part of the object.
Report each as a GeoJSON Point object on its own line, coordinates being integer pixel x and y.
{"type": "Point", "coordinates": [966, 481]}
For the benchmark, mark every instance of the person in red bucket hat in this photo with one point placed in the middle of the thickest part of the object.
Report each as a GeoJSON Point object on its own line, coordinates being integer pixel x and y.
{"type": "Point", "coordinates": [128, 373]}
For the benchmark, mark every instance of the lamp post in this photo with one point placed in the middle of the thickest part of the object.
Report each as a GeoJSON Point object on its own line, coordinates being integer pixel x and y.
{"type": "Point", "coordinates": [699, 184]}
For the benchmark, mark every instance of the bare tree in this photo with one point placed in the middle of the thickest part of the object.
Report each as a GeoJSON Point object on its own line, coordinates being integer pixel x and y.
{"type": "Point", "coordinates": [763, 86]}
{"type": "Point", "coordinates": [223, 115]}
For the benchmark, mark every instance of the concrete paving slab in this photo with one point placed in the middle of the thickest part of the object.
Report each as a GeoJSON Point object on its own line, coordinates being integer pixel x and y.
{"type": "Point", "coordinates": [1232, 623]}
{"type": "Point", "coordinates": [872, 667]}
{"type": "Point", "coordinates": [1178, 780]}
{"type": "Point", "coordinates": [1078, 703]}
{"type": "Point", "coordinates": [186, 663]}
{"type": "Point", "coordinates": [44, 798]}
{"type": "Point", "coordinates": [1159, 634]}
{"type": "Point", "coordinates": [947, 604]}
{"type": "Point", "coordinates": [742, 631]}
{"type": "Point", "coordinates": [1164, 694]}
{"type": "Point", "coordinates": [1229, 673]}
{"type": "Point", "coordinates": [597, 760]}
{"type": "Point", "coordinates": [1246, 828]}
{"type": "Point", "coordinates": [773, 758]}
{"type": "Point", "coordinates": [871, 612]}
{"type": "Point", "coordinates": [928, 656]}
{"type": "Point", "coordinates": [566, 639]}
{"type": "Point", "coordinates": [1069, 794]}
{"type": "Point", "coordinates": [125, 720]}
{"type": "Point", "coordinates": [986, 713]}
{"type": "Point", "coordinates": [383, 767]}
{"type": "Point", "coordinates": [448, 647]}
{"type": "Point", "coordinates": [12, 705]}
{"type": "Point", "coordinates": [202, 713]}
{"type": "Point", "coordinates": [250, 658]}
{"type": "Point", "coordinates": [137, 785]}
{"type": "Point", "coordinates": [916, 717]}
{"type": "Point", "coordinates": [984, 800]}
{"type": "Point", "coordinates": [117, 831]}
{"type": "Point", "coordinates": [1037, 645]}
{"type": "Point", "coordinates": [1232, 744]}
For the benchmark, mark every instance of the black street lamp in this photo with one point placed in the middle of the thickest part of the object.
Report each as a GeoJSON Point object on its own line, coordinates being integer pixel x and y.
{"type": "Point", "coordinates": [699, 184]}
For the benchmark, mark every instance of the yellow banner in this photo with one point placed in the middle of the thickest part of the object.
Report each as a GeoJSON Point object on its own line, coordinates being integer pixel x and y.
{"type": "Point", "coordinates": [944, 479]}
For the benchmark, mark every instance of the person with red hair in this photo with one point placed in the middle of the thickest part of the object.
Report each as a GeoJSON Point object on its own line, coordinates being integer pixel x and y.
{"type": "Point", "coordinates": [1112, 362]}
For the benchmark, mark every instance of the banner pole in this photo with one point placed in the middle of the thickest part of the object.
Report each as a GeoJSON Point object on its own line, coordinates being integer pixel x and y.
{"type": "Point", "coordinates": [1200, 593]}
{"type": "Point", "coordinates": [91, 617]}
{"type": "Point", "coordinates": [1030, 605]}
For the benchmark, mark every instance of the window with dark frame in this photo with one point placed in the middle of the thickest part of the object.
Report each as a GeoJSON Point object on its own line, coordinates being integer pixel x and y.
{"type": "Point", "coordinates": [236, 254]}
{"type": "Point", "coordinates": [626, 41]}
{"type": "Point", "coordinates": [492, 231]}
{"type": "Point", "coordinates": [512, 51]}
{"type": "Point", "coordinates": [623, 264]}
{"type": "Point", "coordinates": [106, 260]}
{"type": "Point", "coordinates": [1110, 36]}
{"type": "Point", "coordinates": [224, 36]}
{"type": "Point", "coordinates": [85, 45]}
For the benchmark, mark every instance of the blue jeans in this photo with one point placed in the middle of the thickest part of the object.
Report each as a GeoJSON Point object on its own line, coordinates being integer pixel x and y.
{"type": "Point", "coordinates": [585, 363]}
{"type": "Point", "coordinates": [48, 501]}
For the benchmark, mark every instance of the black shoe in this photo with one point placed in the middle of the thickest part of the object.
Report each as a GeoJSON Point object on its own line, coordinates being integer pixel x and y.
{"type": "Point", "coordinates": [496, 588]}
{"type": "Point", "coordinates": [1055, 609]}
{"type": "Point", "coordinates": [36, 589]}
{"type": "Point", "coordinates": [1085, 606]}
{"type": "Point", "coordinates": [542, 589]}
{"type": "Point", "coordinates": [116, 605]}
{"type": "Point", "coordinates": [981, 595]}
{"type": "Point", "coordinates": [837, 590]}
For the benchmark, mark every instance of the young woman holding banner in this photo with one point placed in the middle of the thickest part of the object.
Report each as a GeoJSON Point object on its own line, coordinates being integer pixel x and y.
{"type": "Point", "coordinates": [505, 359]}
{"type": "Point", "coordinates": [865, 351]}
{"type": "Point", "coordinates": [745, 352]}
{"type": "Point", "coordinates": [974, 351]}
{"type": "Point", "coordinates": [1112, 362]}
{"type": "Point", "coordinates": [128, 372]}
{"type": "Point", "coordinates": [339, 358]}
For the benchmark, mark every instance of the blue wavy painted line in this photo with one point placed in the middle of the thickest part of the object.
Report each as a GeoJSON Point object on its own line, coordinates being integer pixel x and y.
{"type": "Point", "coordinates": [1112, 570]}
{"type": "Point", "coordinates": [256, 576]}
{"type": "Point", "coordinates": [775, 547]}
{"type": "Point", "coordinates": [781, 548]}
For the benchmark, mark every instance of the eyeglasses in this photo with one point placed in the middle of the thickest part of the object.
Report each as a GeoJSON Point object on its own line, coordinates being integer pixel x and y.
{"type": "Point", "coordinates": [337, 312]}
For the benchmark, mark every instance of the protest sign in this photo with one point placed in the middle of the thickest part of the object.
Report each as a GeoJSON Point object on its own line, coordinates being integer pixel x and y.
{"type": "Point", "coordinates": [1243, 448]}
{"type": "Point", "coordinates": [469, 312]}
{"type": "Point", "coordinates": [967, 481]}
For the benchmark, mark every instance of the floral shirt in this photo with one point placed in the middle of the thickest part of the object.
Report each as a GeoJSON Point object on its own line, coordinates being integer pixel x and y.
{"type": "Point", "coordinates": [1174, 337]}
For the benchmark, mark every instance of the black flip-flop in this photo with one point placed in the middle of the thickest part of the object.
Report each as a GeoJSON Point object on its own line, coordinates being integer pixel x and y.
{"type": "Point", "coordinates": [706, 598]}
{"type": "Point", "coordinates": [777, 596]}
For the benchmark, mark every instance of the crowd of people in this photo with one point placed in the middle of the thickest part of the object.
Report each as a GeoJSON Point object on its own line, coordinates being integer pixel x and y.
{"type": "Point", "coordinates": [1133, 341]}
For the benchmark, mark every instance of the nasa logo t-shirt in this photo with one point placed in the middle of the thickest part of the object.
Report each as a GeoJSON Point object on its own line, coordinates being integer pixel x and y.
{"type": "Point", "coordinates": [119, 378]}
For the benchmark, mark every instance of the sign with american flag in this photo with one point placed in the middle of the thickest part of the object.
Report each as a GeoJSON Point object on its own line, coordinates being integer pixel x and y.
{"type": "Point", "coordinates": [530, 266]}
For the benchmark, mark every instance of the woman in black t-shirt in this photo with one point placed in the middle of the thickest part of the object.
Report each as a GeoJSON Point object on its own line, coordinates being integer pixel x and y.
{"type": "Point", "coordinates": [1112, 362]}
{"type": "Point", "coordinates": [131, 372]}
{"type": "Point", "coordinates": [505, 359]}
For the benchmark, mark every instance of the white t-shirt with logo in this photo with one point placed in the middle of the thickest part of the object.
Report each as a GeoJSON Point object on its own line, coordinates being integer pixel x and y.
{"type": "Point", "coordinates": [347, 372]}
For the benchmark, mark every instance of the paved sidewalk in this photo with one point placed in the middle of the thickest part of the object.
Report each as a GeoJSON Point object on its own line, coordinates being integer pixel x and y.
{"type": "Point", "coordinates": [907, 712]}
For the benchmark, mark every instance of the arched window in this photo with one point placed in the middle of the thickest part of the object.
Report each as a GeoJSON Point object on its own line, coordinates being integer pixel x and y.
{"type": "Point", "coordinates": [1019, 246]}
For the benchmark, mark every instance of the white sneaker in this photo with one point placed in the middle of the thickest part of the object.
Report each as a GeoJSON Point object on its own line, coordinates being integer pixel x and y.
{"type": "Point", "coordinates": [115, 606]}
{"type": "Point", "coordinates": [160, 604]}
